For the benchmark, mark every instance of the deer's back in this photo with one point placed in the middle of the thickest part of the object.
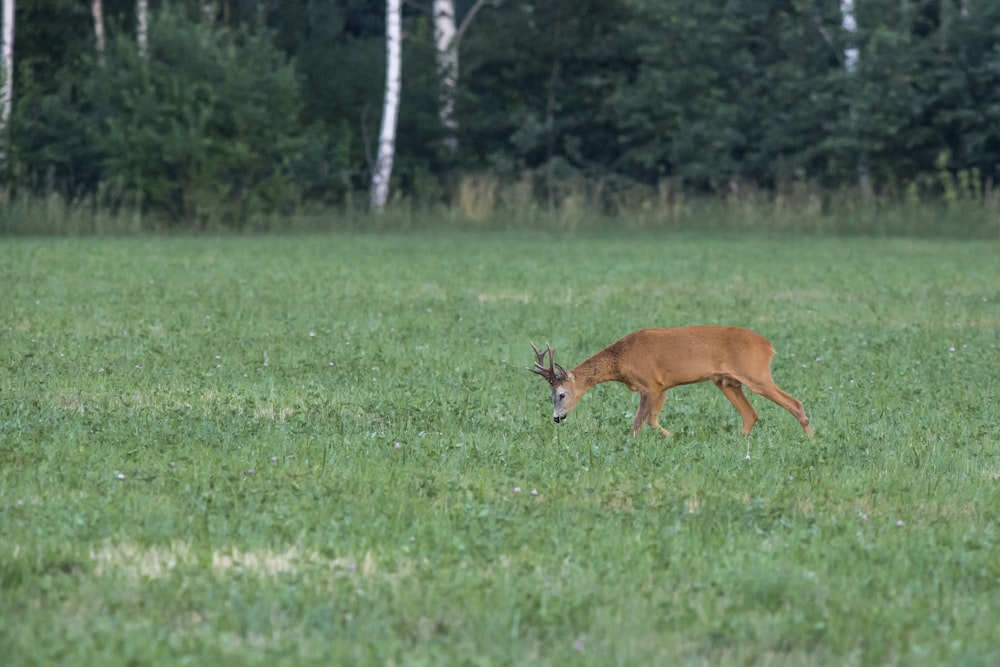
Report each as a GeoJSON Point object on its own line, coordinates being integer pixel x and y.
{"type": "Point", "coordinates": [683, 355]}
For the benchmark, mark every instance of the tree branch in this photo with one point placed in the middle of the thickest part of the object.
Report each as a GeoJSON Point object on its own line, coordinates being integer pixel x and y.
{"type": "Point", "coordinates": [471, 14]}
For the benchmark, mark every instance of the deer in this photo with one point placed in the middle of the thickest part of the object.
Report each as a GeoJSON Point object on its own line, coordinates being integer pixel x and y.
{"type": "Point", "coordinates": [651, 361]}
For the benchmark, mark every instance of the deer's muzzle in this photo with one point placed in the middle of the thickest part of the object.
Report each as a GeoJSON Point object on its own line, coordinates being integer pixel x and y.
{"type": "Point", "coordinates": [557, 418]}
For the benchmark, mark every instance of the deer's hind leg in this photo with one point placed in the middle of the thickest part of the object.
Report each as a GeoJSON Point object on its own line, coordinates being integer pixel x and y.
{"type": "Point", "coordinates": [769, 390]}
{"type": "Point", "coordinates": [733, 390]}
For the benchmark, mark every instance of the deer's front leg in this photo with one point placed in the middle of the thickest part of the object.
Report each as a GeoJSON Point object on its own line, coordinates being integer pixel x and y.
{"type": "Point", "coordinates": [641, 413]}
{"type": "Point", "coordinates": [655, 406]}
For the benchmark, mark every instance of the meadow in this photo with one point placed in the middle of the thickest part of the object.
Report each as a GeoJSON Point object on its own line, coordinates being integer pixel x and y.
{"type": "Point", "coordinates": [327, 449]}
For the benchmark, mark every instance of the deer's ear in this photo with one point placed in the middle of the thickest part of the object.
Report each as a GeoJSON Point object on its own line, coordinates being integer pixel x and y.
{"type": "Point", "coordinates": [561, 373]}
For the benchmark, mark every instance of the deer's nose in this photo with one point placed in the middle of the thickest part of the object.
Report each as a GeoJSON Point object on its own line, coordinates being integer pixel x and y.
{"type": "Point", "coordinates": [558, 419]}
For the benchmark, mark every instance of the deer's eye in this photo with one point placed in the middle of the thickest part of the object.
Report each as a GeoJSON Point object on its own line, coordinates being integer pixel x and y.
{"type": "Point", "coordinates": [561, 395]}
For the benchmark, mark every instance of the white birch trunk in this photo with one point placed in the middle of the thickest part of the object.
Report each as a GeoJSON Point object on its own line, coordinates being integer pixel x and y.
{"type": "Point", "coordinates": [7, 55]}
{"type": "Point", "coordinates": [209, 11]}
{"type": "Point", "coordinates": [97, 11]}
{"type": "Point", "coordinates": [446, 41]}
{"type": "Point", "coordinates": [447, 61]}
{"type": "Point", "coordinates": [142, 26]}
{"type": "Point", "coordinates": [390, 109]}
{"type": "Point", "coordinates": [850, 26]}
{"type": "Point", "coordinates": [852, 55]}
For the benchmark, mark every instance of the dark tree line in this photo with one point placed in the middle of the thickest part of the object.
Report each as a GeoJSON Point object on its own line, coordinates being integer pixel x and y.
{"type": "Point", "coordinates": [273, 105]}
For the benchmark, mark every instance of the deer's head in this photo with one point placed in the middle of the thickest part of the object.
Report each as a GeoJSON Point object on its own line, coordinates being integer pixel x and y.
{"type": "Point", "coordinates": [564, 392]}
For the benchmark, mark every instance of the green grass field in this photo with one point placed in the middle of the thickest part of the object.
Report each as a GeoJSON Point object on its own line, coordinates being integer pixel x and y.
{"type": "Point", "coordinates": [328, 449]}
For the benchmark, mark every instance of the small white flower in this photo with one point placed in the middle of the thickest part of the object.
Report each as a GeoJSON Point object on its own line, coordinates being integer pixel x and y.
{"type": "Point", "coordinates": [119, 475]}
{"type": "Point", "coordinates": [517, 489]}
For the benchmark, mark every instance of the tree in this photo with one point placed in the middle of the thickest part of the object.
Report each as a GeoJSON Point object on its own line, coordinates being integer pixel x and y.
{"type": "Point", "coordinates": [537, 83]}
{"type": "Point", "coordinates": [447, 61]}
{"type": "Point", "coordinates": [390, 108]}
{"type": "Point", "coordinates": [851, 56]}
{"type": "Point", "coordinates": [850, 25]}
{"type": "Point", "coordinates": [606, 98]}
{"type": "Point", "coordinates": [446, 41]}
{"type": "Point", "coordinates": [97, 11]}
{"type": "Point", "coordinates": [7, 55]}
{"type": "Point", "coordinates": [142, 26]}
{"type": "Point", "coordinates": [209, 9]}
{"type": "Point", "coordinates": [205, 128]}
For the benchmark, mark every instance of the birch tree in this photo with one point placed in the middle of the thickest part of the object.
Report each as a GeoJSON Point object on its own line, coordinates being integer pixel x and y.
{"type": "Point", "coordinates": [7, 55]}
{"type": "Point", "coordinates": [390, 107]}
{"type": "Point", "coordinates": [447, 65]}
{"type": "Point", "coordinates": [142, 26]}
{"type": "Point", "coordinates": [447, 38]}
{"type": "Point", "coordinates": [850, 26]}
{"type": "Point", "coordinates": [852, 55]}
{"type": "Point", "coordinates": [97, 11]}
{"type": "Point", "coordinates": [209, 10]}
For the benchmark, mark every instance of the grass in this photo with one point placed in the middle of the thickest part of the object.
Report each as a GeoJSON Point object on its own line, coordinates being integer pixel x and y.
{"type": "Point", "coordinates": [484, 203]}
{"type": "Point", "coordinates": [328, 450]}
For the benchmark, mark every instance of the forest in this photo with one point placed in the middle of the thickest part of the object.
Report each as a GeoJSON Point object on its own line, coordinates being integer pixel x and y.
{"type": "Point", "coordinates": [242, 107]}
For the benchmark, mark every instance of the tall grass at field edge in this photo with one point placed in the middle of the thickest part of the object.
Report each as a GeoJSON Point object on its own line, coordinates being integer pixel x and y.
{"type": "Point", "coordinates": [481, 204]}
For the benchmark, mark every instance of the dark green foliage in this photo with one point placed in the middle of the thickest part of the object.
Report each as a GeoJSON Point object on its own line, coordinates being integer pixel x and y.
{"type": "Point", "coordinates": [208, 120]}
{"type": "Point", "coordinates": [267, 107]}
{"type": "Point", "coordinates": [536, 77]}
{"type": "Point", "coordinates": [206, 129]}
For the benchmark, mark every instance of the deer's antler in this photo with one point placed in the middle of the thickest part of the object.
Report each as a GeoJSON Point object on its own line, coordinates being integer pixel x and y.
{"type": "Point", "coordinates": [553, 373]}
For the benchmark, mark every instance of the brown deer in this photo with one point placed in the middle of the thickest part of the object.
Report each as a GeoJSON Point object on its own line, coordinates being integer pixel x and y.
{"type": "Point", "coordinates": [651, 361]}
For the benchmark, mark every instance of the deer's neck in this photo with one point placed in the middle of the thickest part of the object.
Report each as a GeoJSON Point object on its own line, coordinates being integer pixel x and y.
{"type": "Point", "coordinates": [602, 367]}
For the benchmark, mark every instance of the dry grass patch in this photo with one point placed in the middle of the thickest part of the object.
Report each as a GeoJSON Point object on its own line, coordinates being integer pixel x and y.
{"type": "Point", "coordinates": [159, 561]}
